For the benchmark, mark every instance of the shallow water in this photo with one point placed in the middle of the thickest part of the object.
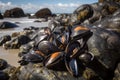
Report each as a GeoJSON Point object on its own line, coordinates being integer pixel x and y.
{"type": "Point", "coordinates": [12, 55]}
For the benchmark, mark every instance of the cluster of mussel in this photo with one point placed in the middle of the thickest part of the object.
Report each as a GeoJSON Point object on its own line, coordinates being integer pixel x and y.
{"type": "Point", "coordinates": [60, 48]}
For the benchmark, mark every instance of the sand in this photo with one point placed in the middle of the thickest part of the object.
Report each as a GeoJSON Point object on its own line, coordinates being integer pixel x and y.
{"type": "Point", "coordinates": [11, 56]}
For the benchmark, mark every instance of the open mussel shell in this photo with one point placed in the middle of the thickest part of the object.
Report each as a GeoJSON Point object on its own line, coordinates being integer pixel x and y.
{"type": "Point", "coordinates": [86, 57]}
{"type": "Point", "coordinates": [72, 66]}
{"type": "Point", "coordinates": [79, 31]}
{"type": "Point", "coordinates": [54, 60]}
{"type": "Point", "coordinates": [47, 47]}
{"type": "Point", "coordinates": [72, 48]}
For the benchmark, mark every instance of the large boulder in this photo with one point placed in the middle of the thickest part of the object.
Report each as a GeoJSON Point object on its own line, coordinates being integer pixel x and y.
{"type": "Point", "coordinates": [1, 17]}
{"type": "Point", "coordinates": [91, 13]}
{"type": "Point", "coordinates": [5, 25]}
{"type": "Point", "coordinates": [113, 23]}
{"type": "Point", "coordinates": [109, 0]}
{"type": "Point", "coordinates": [14, 13]}
{"type": "Point", "coordinates": [43, 13]}
{"type": "Point", "coordinates": [104, 45]}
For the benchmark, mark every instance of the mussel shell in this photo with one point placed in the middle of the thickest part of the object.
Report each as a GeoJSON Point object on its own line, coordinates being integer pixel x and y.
{"type": "Point", "coordinates": [32, 57]}
{"type": "Point", "coordinates": [71, 47]}
{"type": "Point", "coordinates": [3, 64]}
{"type": "Point", "coordinates": [40, 38]}
{"type": "Point", "coordinates": [24, 49]}
{"type": "Point", "coordinates": [72, 66]}
{"type": "Point", "coordinates": [54, 60]}
{"type": "Point", "coordinates": [59, 30]}
{"type": "Point", "coordinates": [64, 38]}
{"type": "Point", "coordinates": [79, 31]}
{"type": "Point", "coordinates": [86, 57]}
{"type": "Point", "coordinates": [47, 47]}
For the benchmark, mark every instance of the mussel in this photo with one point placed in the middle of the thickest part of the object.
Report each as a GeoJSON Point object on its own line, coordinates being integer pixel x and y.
{"type": "Point", "coordinates": [72, 48]}
{"type": "Point", "coordinates": [32, 57]}
{"type": "Point", "coordinates": [47, 47]}
{"type": "Point", "coordinates": [86, 57]}
{"type": "Point", "coordinates": [40, 38]}
{"type": "Point", "coordinates": [72, 66]}
{"type": "Point", "coordinates": [53, 58]}
{"type": "Point", "coordinates": [79, 32]}
{"type": "Point", "coordinates": [64, 38]}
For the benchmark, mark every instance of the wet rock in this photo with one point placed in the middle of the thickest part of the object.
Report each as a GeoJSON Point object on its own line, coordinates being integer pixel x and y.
{"type": "Point", "coordinates": [17, 42]}
{"type": "Point", "coordinates": [14, 13]}
{"type": "Point", "coordinates": [4, 76]}
{"type": "Point", "coordinates": [90, 13]}
{"type": "Point", "coordinates": [117, 72]}
{"type": "Point", "coordinates": [6, 70]}
{"type": "Point", "coordinates": [104, 45]}
{"type": "Point", "coordinates": [5, 25]}
{"type": "Point", "coordinates": [108, 0]}
{"type": "Point", "coordinates": [38, 72]}
{"type": "Point", "coordinates": [113, 23]}
{"type": "Point", "coordinates": [4, 39]}
{"type": "Point", "coordinates": [43, 13]}
{"type": "Point", "coordinates": [15, 34]}
{"type": "Point", "coordinates": [1, 16]}
{"type": "Point", "coordinates": [37, 21]}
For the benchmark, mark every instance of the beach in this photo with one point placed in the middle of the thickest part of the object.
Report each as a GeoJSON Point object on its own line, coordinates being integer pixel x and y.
{"type": "Point", "coordinates": [11, 55]}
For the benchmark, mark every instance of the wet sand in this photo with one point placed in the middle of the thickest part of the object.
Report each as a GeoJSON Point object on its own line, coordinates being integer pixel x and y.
{"type": "Point", "coordinates": [11, 56]}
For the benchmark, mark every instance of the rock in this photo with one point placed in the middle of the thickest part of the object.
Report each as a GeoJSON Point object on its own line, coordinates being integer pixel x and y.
{"type": "Point", "coordinates": [4, 76]}
{"type": "Point", "coordinates": [82, 13]}
{"type": "Point", "coordinates": [1, 17]}
{"type": "Point", "coordinates": [117, 72]}
{"type": "Point", "coordinates": [113, 23]}
{"type": "Point", "coordinates": [15, 34]}
{"type": "Point", "coordinates": [91, 13]}
{"type": "Point", "coordinates": [108, 0]}
{"type": "Point", "coordinates": [17, 42]}
{"type": "Point", "coordinates": [37, 21]}
{"type": "Point", "coordinates": [104, 45]}
{"type": "Point", "coordinates": [43, 13]}
{"type": "Point", "coordinates": [38, 72]}
{"type": "Point", "coordinates": [14, 13]}
{"type": "Point", "coordinates": [6, 70]}
{"type": "Point", "coordinates": [4, 39]}
{"type": "Point", "coordinates": [5, 25]}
